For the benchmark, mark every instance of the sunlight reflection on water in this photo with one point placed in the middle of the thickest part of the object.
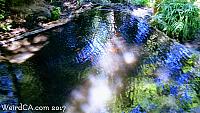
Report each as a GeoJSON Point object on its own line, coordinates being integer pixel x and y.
{"type": "Point", "coordinates": [111, 67]}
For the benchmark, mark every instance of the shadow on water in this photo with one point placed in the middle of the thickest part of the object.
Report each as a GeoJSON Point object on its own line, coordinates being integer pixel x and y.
{"type": "Point", "coordinates": [55, 64]}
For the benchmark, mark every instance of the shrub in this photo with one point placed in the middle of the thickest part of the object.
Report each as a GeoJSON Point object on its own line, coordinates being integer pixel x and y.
{"type": "Point", "coordinates": [55, 13]}
{"type": "Point", "coordinates": [139, 2]}
{"type": "Point", "coordinates": [177, 18]}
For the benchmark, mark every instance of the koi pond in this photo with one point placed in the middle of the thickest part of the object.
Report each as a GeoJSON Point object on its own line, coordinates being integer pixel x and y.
{"type": "Point", "coordinates": [103, 61]}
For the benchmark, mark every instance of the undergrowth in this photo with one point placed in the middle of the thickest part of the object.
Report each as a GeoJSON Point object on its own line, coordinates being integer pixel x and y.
{"type": "Point", "coordinates": [177, 18]}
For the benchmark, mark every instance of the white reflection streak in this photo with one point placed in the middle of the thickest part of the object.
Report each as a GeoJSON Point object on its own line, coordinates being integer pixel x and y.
{"type": "Point", "coordinates": [92, 97]}
{"type": "Point", "coordinates": [99, 93]}
{"type": "Point", "coordinates": [101, 87]}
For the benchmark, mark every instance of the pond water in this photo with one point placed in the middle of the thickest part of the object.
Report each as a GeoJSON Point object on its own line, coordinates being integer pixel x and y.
{"type": "Point", "coordinates": [105, 61]}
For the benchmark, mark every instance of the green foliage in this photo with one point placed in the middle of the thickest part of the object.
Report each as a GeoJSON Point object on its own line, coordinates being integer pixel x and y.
{"type": "Point", "coordinates": [2, 16]}
{"type": "Point", "coordinates": [5, 26]}
{"type": "Point", "coordinates": [55, 13]}
{"type": "Point", "coordinates": [149, 89]}
{"type": "Point", "coordinates": [148, 69]}
{"type": "Point", "coordinates": [192, 65]}
{"type": "Point", "coordinates": [177, 18]}
{"type": "Point", "coordinates": [186, 69]}
{"type": "Point", "coordinates": [2, 9]}
{"type": "Point", "coordinates": [189, 64]}
{"type": "Point", "coordinates": [196, 76]}
{"type": "Point", "coordinates": [196, 86]}
{"type": "Point", "coordinates": [139, 2]}
{"type": "Point", "coordinates": [140, 91]}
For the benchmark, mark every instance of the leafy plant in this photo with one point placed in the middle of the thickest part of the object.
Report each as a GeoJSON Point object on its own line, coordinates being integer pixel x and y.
{"type": "Point", "coordinates": [177, 18]}
{"type": "Point", "coordinates": [5, 26]}
{"type": "Point", "coordinates": [189, 64]}
{"type": "Point", "coordinates": [139, 2]}
{"type": "Point", "coordinates": [2, 10]}
{"type": "Point", "coordinates": [55, 13]}
{"type": "Point", "coordinates": [1, 16]}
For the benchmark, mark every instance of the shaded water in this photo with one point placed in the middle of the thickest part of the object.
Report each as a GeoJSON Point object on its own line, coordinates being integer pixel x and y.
{"type": "Point", "coordinates": [105, 57]}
